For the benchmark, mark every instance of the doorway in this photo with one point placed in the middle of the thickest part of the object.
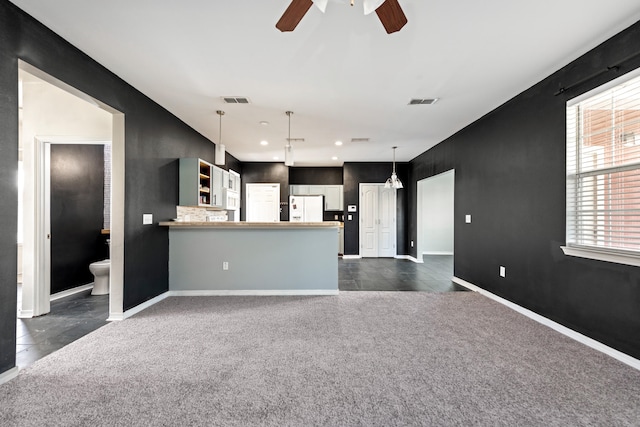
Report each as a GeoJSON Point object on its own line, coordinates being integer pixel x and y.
{"type": "Point", "coordinates": [263, 202]}
{"type": "Point", "coordinates": [377, 221]}
{"type": "Point", "coordinates": [35, 295]}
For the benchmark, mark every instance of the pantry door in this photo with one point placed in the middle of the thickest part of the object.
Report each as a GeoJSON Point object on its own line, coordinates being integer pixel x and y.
{"type": "Point", "coordinates": [263, 202]}
{"type": "Point", "coordinates": [377, 221]}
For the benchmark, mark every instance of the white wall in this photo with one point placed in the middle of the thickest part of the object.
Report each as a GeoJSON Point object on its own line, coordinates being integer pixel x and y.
{"type": "Point", "coordinates": [436, 214]}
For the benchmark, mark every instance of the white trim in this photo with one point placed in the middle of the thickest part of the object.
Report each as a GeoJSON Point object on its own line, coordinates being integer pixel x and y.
{"type": "Point", "coordinates": [138, 308]}
{"type": "Point", "coordinates": [25, 314]}
{"type": "Point", "coordinates": [437, 253]}
{"type": "Point", "coordinates": [590, 342]}
{"type": "Point", "coordinates": [257, 292]}
{"type": "Point", "coordinates": [610, 84]}
{"type": "Point", "coordinates": [71, 291]}
{"type": "Point", "coordinates": [617, 258]}
{"type": "Point", "coordinates": [8, 375]}
{"type": "Point", "coordinates": [410, 258]}
{"type": "Point", "coordinates": [351, 257]}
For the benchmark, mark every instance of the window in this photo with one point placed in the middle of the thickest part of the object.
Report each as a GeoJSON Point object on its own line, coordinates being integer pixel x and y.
{"type": "Point", "coordinates": [603, 173]}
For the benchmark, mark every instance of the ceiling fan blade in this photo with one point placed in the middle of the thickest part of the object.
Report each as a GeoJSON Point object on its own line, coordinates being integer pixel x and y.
{"type": "Point", "coordinates": [391, 16]}
{"type": "Point", "coordinates": [294, 13]}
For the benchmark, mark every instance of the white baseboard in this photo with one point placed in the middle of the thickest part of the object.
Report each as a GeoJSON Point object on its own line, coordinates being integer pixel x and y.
{"type": "Point", "coordinates": [138, 308]}
{"type": "Point", "coordinates": [71, 291]}
{"type": "Point", "coordinates": [437, 253]}
{"type": "Point", "coordinates": [351, 257]}
{"type": "Point", "coordinates": [274, 292]}
{"type": "Point", "coordinates": [25, 314]}
{"type": "Point", "coordinates": [8, 375]}
{"type": "Point", "coordinates": [590, 342]}
{"type": "Point", "coordinates": [410, 258]}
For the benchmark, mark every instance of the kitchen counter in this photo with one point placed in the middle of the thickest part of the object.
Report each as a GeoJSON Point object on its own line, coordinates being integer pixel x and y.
{"type": "Point", "coordinates": [253, 258]}
{"type": "Point", "coordinates": [244, 224]}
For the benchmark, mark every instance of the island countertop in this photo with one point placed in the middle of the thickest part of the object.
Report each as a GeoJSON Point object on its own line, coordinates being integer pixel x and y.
{"type": "Point", "coordinates": [244, 224]}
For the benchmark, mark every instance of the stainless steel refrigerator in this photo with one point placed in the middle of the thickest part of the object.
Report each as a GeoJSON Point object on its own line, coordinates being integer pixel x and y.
{"type": "Point", "coordinates": [306, 208]}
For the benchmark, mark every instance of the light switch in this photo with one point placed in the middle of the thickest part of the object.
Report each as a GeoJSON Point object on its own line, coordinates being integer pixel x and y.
{"type": "Point", "coordinates": [503, 271]}
{"type": "Point", "coordinates": [350, 217]}
{"type": "Point", "coordinates": [147, 219]}
{"type": "Point", "coordinates": [467, 219]}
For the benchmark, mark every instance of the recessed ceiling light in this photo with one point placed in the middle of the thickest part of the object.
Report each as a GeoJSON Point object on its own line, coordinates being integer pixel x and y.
{"type": "Point", "coordinates": [264, 123]}
{"type": "Point", "coordinates": [334, 158]}
{"type": "Point", "coordinates": [264, 142]}
{"type": "Point", "coordinates": [275, 157]}
{"type": "Point", "coordinates": [338, 143]}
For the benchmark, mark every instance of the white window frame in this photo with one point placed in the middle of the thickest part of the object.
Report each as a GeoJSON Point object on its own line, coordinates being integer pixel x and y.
{"type": "Point", "coordinates": [619, 256]}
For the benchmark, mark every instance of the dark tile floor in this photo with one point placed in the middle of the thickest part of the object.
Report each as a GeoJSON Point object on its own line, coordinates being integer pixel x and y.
{"type": "Point", "coordinates": [70, 318]}
{"type": "Point", "coordinates": [75, 316]}
{"type": "Point", "coordinates": [390, 274]}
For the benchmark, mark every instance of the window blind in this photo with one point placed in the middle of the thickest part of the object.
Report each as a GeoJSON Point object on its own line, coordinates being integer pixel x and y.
{"type": "Point", "coordinates": [603, 170]}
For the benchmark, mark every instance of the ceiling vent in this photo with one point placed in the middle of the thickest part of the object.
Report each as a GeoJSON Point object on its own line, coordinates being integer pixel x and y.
{"type": "Point", "coordinates": [421, 101]}
{"type": "Point", "coordinates": [236, 100]}
{"type": "Point", "coordinates": [359, 139]}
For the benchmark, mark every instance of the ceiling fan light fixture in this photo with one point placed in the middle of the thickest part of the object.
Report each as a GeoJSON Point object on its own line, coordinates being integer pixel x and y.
{"type": "Point", "coordinates": [371, 5]}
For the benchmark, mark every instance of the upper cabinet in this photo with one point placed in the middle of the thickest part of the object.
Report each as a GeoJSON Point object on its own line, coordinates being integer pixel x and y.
{"type": "Point", "coordinates": [200, 183]}
{"type": "Point", "coordinates": [333, 194]}
{"type": "Point", "coordinates": [195, 182]}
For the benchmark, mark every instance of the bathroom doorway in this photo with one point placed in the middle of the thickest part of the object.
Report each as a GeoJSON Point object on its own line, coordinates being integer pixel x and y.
{"type": "Point", "coordinates": [93, 122]}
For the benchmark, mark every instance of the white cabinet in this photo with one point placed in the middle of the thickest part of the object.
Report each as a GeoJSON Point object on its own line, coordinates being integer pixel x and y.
{"type": "Point", "coordinates": [216, 187]}
{"type": "Point", "coordinates": [333, 194]}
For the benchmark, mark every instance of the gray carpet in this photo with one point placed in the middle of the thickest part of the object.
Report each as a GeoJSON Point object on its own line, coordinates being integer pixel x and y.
{"type": "Point", "coordinates": [368, 359]}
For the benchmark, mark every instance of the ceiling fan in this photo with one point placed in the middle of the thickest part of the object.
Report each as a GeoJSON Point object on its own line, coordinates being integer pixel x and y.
{"type": "Point", "coordinates": [389, 12]}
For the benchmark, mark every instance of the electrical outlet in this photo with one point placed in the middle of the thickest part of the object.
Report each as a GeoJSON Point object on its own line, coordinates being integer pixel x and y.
{"type": "Point", "coordinates": [225, 265]}
{"type": "Point", "coordinates": [467, 219]}
{"type": "Point", "coordinates": [412, 243]}
{"type": "Point", "coordinates": [503, 271]}
{"type": "Point", "coordinates": [147, 219]}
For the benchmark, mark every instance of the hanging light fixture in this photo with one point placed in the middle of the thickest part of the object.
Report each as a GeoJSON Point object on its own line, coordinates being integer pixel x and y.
{"type": "Point", "coordinates": [220, 149]}
{"type": "Point", "coordinates": [393, 181]}
{"type": "Point", "coordinates": [288, 149]}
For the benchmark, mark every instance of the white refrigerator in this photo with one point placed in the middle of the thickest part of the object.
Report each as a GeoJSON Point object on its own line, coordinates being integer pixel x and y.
{"type": "Point", "coordinates": [306, 208]}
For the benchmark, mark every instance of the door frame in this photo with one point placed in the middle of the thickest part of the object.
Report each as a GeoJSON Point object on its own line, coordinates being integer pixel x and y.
{"type": "Point", "coordinates": [420, 213]}
{"type": "Point", "coordinates": [37, 297]}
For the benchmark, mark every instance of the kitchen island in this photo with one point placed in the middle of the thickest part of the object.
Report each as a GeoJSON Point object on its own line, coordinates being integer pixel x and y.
{"type": "Point", "coordinates": [253, 258]}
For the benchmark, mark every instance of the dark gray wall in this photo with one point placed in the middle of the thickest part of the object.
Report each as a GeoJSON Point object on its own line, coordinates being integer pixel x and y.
{"type": "Point", "coordinates": [76, 213]}
{"type": "Point", "coordinates": [510, 176]}
{"type": "Point", "coordinates": [315, 176]}
{"type": "Point", "coordinates": [154, 139]}
{"type": "Point", "coordinates": [371, 173]}
{"type": "Point", "coordinates": [263, 173]}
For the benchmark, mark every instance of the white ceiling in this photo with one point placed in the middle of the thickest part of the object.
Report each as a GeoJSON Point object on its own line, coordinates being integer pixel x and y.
{"type": "Point", "coordinates": [340, 73]}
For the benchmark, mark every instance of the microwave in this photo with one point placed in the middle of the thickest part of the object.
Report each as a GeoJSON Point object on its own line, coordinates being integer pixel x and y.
{"type": "Point", "coordinates": [230, 199]}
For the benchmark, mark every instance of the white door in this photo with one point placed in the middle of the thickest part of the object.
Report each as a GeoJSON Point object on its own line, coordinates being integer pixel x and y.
{"type": "Point", "coordinates": [377, 221]}
{"type": "Point", "coordinates": [263, 202]}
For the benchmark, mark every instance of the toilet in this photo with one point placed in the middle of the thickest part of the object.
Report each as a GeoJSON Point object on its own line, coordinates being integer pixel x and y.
{"type": "Point", "coordinates": [100, 271]}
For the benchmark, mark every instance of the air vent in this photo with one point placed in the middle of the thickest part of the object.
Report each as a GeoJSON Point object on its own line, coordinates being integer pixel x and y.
{"type": "Point", "coordinates": [236, 100]}
{"type": "Point", "coordinates": [359, 139]}
{"type": "Point", "coordinates": [421, 101]}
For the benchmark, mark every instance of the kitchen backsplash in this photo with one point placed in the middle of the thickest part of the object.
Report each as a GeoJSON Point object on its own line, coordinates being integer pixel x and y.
{"type": "Point", "coordinates": [195, 214]}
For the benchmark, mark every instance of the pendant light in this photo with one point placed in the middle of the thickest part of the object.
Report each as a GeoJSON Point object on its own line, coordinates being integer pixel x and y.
{"type": "Point", "coordinates": [393, 181]}
{"type": "Point", "coordinates": [288, 149]}
{"type": "Point", "coordinates": [220, 149]}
